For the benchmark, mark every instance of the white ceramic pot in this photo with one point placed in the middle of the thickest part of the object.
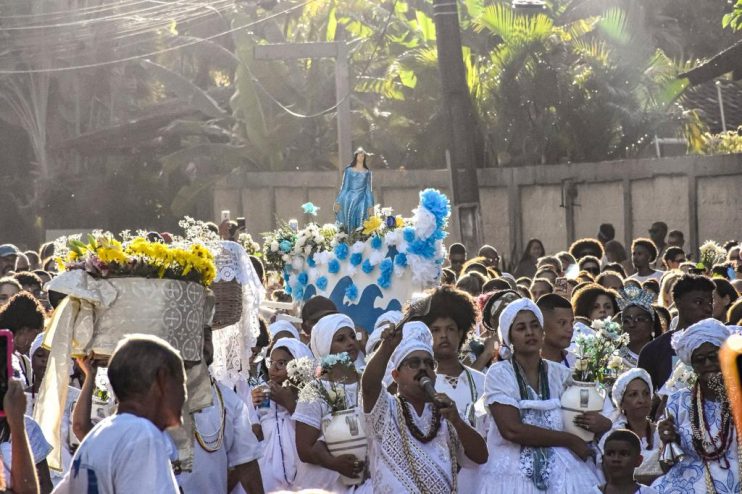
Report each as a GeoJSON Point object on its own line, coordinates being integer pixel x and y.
{"type": "Point", "coordinates": [345, 435]}
{"type": "Point", "coordinates": [578, 398]}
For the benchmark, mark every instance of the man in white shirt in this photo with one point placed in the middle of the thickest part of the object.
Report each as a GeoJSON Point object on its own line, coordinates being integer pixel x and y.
{"type": "Point", "coordinates": [225, 447]}
{"type": "Point", "coordinates": [129, 452]}
{"type": "Point", "coordinates": [418, 444]}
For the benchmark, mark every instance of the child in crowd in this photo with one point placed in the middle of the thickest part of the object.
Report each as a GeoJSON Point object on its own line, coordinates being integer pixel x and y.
{"type": "Point", "coordinates": [621, 456]}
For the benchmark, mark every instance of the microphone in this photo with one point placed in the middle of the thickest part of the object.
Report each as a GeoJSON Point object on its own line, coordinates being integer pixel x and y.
{"type": "Point", "coordinates": [427, 384]}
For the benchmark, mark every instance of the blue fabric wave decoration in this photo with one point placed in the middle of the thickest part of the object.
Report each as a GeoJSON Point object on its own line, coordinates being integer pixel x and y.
{"type": "Point", "coordinates": [285, 246]}
{"type": "Point", "coordinates": [438, 205]}
{"type": "Point", "coordinates": [367, 267]}
{"type": "Point", "coordinates": [356, 259]}
{"type": "Point", "coordinates": [351, 293]}
{"type": "Point", "coordinates": [321, 283]}
{"type": "Point", "coordinates": [311, 262]}
{"type": "Point", "coordinates": [303, 278]}
{"type": "Point", "coordinates": [400, 260]}
{"type": "Point", "coordinates": [341, 251]}
{"type": "Point", "coordinates": [376, 242]}
{"type": "Point", "coordinates": [333, 266]}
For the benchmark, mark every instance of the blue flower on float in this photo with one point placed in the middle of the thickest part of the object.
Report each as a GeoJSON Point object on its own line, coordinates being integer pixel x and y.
{"type": "Point", "coordinates": [409, 234]}
{"type": "Point", "coordinates": [356, 259]}
{"type": "Point", "coordinates": [311, 262]}
{"type": "Point", "coordinates": [422, 248]}
{"type": "Point", "coordinates": [376, 242]}
{"type": "Point", "coordinates": [333, 266]}
{"type": "Point", "coordinates": [303, 278]}
{"type": "Point", "coordinates": [298, 293]}
{"type": "Point", "coordinates": [401, 260]}
{"type": "Point", "coordinates": [351, 292]}
{"type": "Point", "coordinates": [287, 289]}
{"type": "Point", "coordinates": [391, 221]}
{"type": "Point", "coordinates": [437, 203]}
{"type": "Point", "coordinates": [285, 246]}
{"type": "Point", "coordinates": [341, 251]}
{"type": "Point", "coordinates": [321, 283]}
{"type": "Point", "coordinates": [386, 266]}
{"type": "Point", "coordinates": [367, 267]}
{"type": "Point", "coordinates": [310, 208]}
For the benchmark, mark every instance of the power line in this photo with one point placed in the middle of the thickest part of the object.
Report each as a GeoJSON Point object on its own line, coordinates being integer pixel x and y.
{"type": "Point", "coordinates": [157, 52]}
{"type": "Point", "coordinates": [345, 97]}
{"type": "Point", "coordinates": [79, 11]}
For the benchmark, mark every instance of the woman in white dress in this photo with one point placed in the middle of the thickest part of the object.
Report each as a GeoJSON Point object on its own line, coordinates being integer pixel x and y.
{"type": "Point", "coordinates": [319, 469]}
{"type": "Point", "coordinates": [529, 451]}
{"type": "Point", "coordinates": [699, 419]}
{"type": "Point", "coordinates": [452, 315]}
{"type": "Point", "coordinates": [279, 460]}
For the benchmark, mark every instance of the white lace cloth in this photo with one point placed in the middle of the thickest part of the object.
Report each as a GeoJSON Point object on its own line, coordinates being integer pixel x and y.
{"type": "Point", "coordinates": [509, 464]}
{"type": "Point", "coordinates": [233, 344]}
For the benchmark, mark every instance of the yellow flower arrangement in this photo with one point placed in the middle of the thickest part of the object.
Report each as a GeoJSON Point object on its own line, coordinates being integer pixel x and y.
{"type": "Point", "coordinates": [399, 222]}
{"type": "Point", "coordinates": [372, 224]}
{"type": "Point", "coordinates": [105, 256]}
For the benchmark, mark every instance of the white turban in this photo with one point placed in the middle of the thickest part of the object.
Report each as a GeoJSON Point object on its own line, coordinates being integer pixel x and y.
{"type": "Point", "coordinates": [507, 316]}
{"type": "Point", "coordinates": [283, 326]}
{"type": "Point", "coordinates": [295, 347]}
{"type": "Point", "coordinates": [393, 317]}
{"type": "Point", "coordinates": [324, 331]}
{"type": "Point", "coordinates": [707, 331]}
{"type": "Point", "coordinates": [415, 336]}
{"type": "Point", "coordinates": [619, 387]}
{"type": "Point", "coordinates": [36, 344]}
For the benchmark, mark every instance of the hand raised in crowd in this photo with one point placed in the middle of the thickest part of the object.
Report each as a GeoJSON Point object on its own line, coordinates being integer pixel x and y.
{"type": "Point", "coordinates": [348, 465]}
{"type": "Point", "coordinates": [392, 335]}
{"type": "Point", "coordinates": [87, 365]}
{"type": "Point", "coordinates": [666, 428]}
{"type": "Point", "coordinates": [14, 404]}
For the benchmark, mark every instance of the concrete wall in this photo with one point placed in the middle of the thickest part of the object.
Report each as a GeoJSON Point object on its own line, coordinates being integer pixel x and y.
{"type": "Point", "coordinates": [556, 203]}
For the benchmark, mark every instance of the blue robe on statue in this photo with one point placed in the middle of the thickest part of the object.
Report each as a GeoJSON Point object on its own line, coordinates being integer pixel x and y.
{"type": "Point", "coordinates": [355, 198]}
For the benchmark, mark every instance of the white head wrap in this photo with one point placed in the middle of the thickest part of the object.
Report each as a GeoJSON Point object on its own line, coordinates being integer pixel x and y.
{"type": "Point", "coordinates": [415, 336]}
{"type": "Point", "coordinates": [324, 331]}
{"type": "Point", "coordinates": [393, 317]}
{"type": "Point", "coordinates": [619, 387]}
{"type": "Point", "coordinates": [507, 316]}
{"type": "Point", "coordinates": [707, 331]}
{"type": "Point", "coordinates": [283, 327]}
{"type": "Point", "coordinates": [294, 347]}
{"type": "Point", "coordinates": [36, 344]}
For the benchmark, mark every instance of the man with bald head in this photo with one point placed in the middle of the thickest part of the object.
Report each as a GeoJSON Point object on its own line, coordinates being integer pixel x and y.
{"type": "Point", "coordinates": [490, 255]}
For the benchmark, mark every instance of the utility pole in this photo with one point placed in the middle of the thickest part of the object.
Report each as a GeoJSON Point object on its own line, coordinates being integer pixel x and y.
{"type": "Point", "coordinates": [331, 49]}
{"type": "Point", "coordinates": [462, 157]}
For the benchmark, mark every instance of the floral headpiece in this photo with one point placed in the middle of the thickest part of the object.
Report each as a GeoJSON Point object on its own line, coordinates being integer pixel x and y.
{"type": "Point", "coordinates": [633, 295]}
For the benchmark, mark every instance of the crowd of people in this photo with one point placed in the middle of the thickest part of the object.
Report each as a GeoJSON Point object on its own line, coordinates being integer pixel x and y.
{"type": "Point", "coordinates": [459, 392]}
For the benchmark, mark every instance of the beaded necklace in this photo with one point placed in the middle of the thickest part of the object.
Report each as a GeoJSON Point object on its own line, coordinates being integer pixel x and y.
{"type": "Point", "coordinates": [702, 440]}
{"type": "Point", "coordinates": [219, 433]}
{"type": "Point", "coordinates": [402, 414]}
{"type": "Point", "coordinates": [413, 428]}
